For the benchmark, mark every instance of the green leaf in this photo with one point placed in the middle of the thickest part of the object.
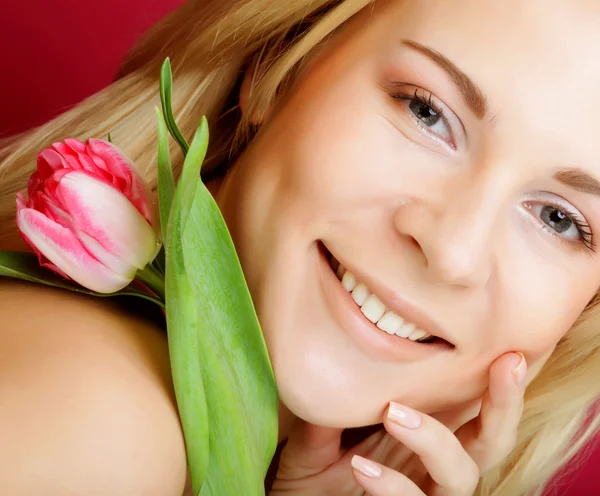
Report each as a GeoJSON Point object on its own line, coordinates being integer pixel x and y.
{"type": "Point", "coordinates": [166, 182]}
{"type": "Point", "coordinates": [224, 383]}
{"type": "Point", "coordinates": [166, 94]}
{"type": "Point", "coordinates": [154, 280]}
{"type": "Point", "coordinates": [239, 384]}
{"type": "Point", "coordinates": [159, 262]}
{"type": "Point", "coordinates": [190, 174]}
{"type": "Point", "coordinates": [183, 321]}
{"type": "Point", "coordinates": [109, 138]}
{"type": "Point", "coordinates": [25, 266]}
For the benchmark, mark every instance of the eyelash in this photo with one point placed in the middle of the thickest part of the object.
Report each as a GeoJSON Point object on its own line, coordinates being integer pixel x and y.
{"type": "Point", "coordinates": [584, 229]}
{"type": "Point", "coordinates": [426, 99]}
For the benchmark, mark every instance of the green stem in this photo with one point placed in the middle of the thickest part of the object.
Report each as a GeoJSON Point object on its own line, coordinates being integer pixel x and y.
{"type": "Point", "coordinates": [153, 279]}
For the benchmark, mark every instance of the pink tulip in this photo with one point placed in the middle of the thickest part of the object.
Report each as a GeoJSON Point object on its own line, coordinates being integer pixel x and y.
{"type": "Point", "coordinates": [88, 215]}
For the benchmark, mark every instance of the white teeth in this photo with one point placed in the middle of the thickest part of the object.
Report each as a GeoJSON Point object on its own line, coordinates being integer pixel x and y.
{"type": "Point", "coordinates": [390, 323]}
{"type": "Point", "coordinates": [348, 281]}
{"type": "Point", "coordinates": [360, 293]}
{"type": "Point", "coordinates": [372, 308]}
{"type": "Point", "coordinates": [417, 334]}
{"type": "Point", "coordinates": [406, 330]}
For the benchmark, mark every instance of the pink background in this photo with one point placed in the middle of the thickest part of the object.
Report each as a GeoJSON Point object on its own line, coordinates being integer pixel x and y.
{"type": "Point", "coordinates": [57, 52]}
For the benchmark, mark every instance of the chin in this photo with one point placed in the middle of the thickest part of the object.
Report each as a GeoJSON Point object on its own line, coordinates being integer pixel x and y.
{"type": "Point", "coordinates": [324, 409]}
{"type": "Point", "coordinates": [319, 396]}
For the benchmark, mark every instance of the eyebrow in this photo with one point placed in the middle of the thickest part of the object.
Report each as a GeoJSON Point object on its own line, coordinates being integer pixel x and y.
{"type": "Point", "coordinates": [476, 100]}
{"type": "Point", "coordinates": [472, 94]}
{"type": "Point", "coordinates": [578, 180]}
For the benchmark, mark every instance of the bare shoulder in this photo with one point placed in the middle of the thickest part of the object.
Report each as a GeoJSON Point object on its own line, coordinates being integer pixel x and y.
{"type": "Point", "coordinates": [86, 403]}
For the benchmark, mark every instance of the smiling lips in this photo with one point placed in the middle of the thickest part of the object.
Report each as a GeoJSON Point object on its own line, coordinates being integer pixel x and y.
{"type": "Point", "coordinates": [372, 308]}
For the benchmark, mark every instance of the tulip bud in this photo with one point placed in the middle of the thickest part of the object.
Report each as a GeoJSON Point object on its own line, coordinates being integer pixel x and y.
{"type": "Point", "coordinates": [88, 215]}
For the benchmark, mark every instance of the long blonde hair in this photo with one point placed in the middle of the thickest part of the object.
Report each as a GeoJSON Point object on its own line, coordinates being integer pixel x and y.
{"type": "Point", "coordinates": [210, 42]}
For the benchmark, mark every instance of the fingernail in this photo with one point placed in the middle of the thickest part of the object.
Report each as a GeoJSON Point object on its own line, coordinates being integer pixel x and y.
{"type": "Point", "coordinates": [520, 371]}
{"type": "Point", "coordinates": [404, 416]}
{"type": "Point", "coordinates": [366, 467]}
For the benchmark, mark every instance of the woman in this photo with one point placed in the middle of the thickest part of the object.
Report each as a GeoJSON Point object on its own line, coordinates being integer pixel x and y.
{"type": "Point", "coordinates": [434, 158]}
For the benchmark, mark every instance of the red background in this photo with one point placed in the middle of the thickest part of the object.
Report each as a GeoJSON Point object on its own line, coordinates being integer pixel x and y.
{"type": "Point", "coordinates": [57, 52]}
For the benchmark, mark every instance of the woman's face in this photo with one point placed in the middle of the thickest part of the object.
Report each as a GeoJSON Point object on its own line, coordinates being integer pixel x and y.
{"type": "Point", "coordinates": [447, 154]}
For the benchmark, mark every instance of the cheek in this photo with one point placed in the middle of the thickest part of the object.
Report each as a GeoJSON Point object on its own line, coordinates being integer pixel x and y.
{"type": "Point", "coordinates": [542, 300]}
{"type": "Point", "coordinates": [342, 156]}
{"type": "Point", "coordinates": [331, 162]}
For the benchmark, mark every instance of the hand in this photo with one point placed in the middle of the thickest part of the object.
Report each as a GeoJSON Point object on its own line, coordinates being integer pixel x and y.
{"type": "Point", "coordinates": [423, 457]}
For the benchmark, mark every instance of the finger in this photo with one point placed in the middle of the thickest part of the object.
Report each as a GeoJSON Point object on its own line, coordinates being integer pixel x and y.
{"type": "Point", "coordinates": [453, 419]}
{"type": "Point", "coordinates": [310, 448]}
{"type": "Point", "coordinates": [492, 435]}
{"type": "Point", "coordinates": [446, 461]}
{"type": "Point", "coordinates": [378, 480]}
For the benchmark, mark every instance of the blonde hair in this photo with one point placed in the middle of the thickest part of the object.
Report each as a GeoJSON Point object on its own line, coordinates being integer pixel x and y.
{"type": "Point", "coordinates": [210, 43]}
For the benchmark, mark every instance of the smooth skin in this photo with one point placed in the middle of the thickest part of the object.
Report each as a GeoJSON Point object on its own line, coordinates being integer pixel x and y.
{"type": "Point", "coordinates": [445, 454]}
{"type": "Point", "coordinates": [86, 400]}
{"type": "Point", "coordinates": [453, 215]}
{"type": "Point", "coordinates": [459, 218]}
{"type": "Point", "coordinates": [477, 217]}
{"type": "Point", "coordinates": [88, 409]}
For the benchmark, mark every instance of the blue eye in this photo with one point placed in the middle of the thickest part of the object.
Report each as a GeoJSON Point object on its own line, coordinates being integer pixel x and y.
{"type": "Point", "coordinates": [563, 223]}
{"type": "Point", "coordinates": [424, 112]}
{"type": "Point", "coordinates": [559, 221]}
{"type": "Point", "coordinates": [428, 114]}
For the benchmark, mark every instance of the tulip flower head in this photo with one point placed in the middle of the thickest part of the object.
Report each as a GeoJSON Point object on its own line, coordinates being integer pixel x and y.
{"type": "Point", "coordinates": [88, 215]}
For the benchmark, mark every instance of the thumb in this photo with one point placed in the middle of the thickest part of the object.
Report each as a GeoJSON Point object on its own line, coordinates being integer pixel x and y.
{"type": "Point", "coordinates": [309, 450]}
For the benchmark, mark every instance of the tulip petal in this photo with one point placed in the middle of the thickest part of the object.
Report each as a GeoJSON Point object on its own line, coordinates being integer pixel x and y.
{"type": "Point", "coordinates": [70, 151]}
{"type": "Point", "coordinates": [60, 246]}
{"type": "Point", "coordinates": [21, 201]}
{"type": "Point", "coordinates": [114, 263]}
{"type": "Point", "coordinates": [131, 183]}
{"type": "Point", "coordinates": [49, 161]}
{"type": "Point", "coordinates": [108, 217]}
{"type": "Point", "coordinates": [47, 206]}
{"type": "Point", "coordinates": [75, 145]}
{"type": "Point", "coordinates": [68, 155]}
{"type": "Point", "coordinates": [35, 182]}
{"type": "Point", "coordinates": [114, 159]}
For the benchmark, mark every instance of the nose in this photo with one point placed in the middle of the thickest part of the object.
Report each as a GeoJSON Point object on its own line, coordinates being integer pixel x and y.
{"type": "Point", "coordinates": [455, 235]}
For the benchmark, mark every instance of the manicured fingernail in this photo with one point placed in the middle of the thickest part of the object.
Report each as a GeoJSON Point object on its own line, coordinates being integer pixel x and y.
{"type": "Point", "coordinates": [366, 467]}
{"type": "Point", "coordinates": [520, 371]}
{"type": "Point", "coordinates": [404, 416]}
